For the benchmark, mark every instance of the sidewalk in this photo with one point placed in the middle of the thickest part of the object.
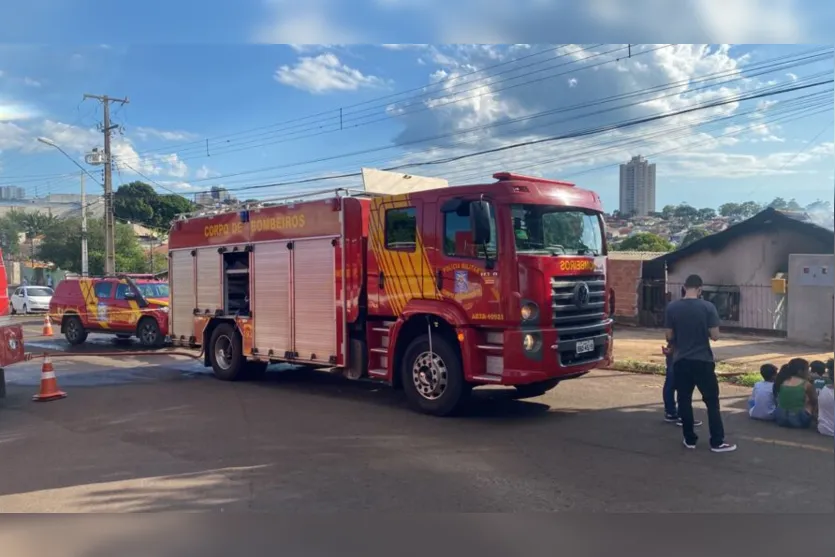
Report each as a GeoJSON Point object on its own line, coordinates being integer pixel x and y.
{"type": "Point", "coordinates": [737, 350]}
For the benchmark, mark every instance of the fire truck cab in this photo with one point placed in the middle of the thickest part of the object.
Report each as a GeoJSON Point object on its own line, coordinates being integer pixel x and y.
{"type": "Point", "coordinates": [429, 288]}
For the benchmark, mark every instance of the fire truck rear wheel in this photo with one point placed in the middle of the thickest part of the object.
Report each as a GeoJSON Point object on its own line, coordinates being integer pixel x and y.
{"type": "Point", "coordinates": [226, 354]}
{"type": "Point", "coordinates": [433, 381]}
{"type": "Point", "coordinates": [534, 390]}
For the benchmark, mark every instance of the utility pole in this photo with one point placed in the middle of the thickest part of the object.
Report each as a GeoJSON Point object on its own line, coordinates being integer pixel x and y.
{"type": "Point", "coordinates": [109, 220]}
{"type": "Point", "coordinates": [84, 268]}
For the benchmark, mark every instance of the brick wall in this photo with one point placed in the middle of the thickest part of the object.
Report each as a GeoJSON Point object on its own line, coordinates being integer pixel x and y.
{"type": "Point", "coordinates": [626, 278]}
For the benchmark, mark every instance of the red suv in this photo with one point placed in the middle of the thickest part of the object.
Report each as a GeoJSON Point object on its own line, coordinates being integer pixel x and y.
{"type": "Point", "coordinates": [119, 305]}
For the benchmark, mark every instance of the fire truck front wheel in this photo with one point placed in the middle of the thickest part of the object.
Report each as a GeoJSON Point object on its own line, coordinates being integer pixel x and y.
{"type": "Point", "coordinates": [225, 353]}
{"type": "Point", "coordinates": [433, 380]}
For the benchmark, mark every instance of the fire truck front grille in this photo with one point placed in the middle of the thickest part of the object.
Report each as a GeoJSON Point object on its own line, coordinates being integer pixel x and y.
{"type": "Point", "coordinates": [579, 312]}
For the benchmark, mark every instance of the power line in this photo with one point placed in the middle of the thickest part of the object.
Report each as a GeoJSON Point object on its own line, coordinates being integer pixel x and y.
{"type": "Point", "coordinates": [360, 123]}
{"type": "Point", "coordinates": [659, 88]}
{"type": "Point", "coordinates": [575, 134]}
{"type": "Point", "coordinates": [333, 113]}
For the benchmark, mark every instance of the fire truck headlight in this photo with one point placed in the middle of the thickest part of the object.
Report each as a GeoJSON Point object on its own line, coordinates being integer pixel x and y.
{"type": "Point", "coordinates": [529, 311]}
{"type": "Point", "coordinates": [531, 342]}
{"type": "Point", "coordinates": [164, 309]}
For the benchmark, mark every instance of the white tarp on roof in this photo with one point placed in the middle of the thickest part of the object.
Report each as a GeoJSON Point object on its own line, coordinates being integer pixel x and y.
{"type": "Point", "coordinates": [392, 183]}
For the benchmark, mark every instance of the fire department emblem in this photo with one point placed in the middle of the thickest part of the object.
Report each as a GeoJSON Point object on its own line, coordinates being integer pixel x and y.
{"type": "Point", "coordinates": [461, 283]}
{"type": "Point", "coordinates": [582, 294]}
{"type": "Point", "coordinates": [12, 342]}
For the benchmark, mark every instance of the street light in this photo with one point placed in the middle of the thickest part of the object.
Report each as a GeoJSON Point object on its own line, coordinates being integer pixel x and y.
{"type": "Point", "coordinates": [84, 263]}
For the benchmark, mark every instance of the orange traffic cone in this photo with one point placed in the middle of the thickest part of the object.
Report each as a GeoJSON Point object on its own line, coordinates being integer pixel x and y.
{"type": "Point", "coordinates": [47, 327]}
{"type": "Point", "coordinates": [49, 384]}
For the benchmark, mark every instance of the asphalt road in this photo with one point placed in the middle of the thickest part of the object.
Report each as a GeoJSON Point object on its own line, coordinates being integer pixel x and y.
{"type": "Point", "coordinates": [153, 433]}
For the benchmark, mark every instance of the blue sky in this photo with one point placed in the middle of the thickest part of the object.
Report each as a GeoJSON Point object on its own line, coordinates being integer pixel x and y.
{"type": "Point", "coordinates": [271, 112]}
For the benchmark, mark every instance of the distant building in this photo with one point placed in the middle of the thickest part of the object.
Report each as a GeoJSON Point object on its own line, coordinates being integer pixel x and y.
{"type": "Point", "coordinates": [215, 196]}
{"type": "Point", "coordinates": [12, 193]}
{"type": "Point", "coordinates": [637, 187]}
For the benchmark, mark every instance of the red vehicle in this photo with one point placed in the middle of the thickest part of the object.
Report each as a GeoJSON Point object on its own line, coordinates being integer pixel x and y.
{"type": "Point", "coordinates": [434, 291]}
{"type": "Point", "coordinates": [116, 305]}
{"type": "Point", "coordinates": [4, 288]}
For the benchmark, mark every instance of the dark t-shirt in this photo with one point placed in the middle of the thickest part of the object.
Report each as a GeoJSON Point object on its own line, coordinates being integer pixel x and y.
{"type": "Point", "coordinates": [690, 320]}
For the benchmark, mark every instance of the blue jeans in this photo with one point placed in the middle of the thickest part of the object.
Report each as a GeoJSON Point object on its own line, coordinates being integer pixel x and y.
{"type": "Point", "coordinates": [794, 420]}
{"type": "Point", "coordinates": [669, 392]}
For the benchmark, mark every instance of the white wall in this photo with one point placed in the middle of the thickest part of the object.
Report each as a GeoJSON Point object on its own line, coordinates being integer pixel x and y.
{"type": "Point", "coordinates": [811, 287]}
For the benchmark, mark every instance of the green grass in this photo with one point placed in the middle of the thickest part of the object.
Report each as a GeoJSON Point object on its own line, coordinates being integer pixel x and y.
{"type": "Point", "coordinates": [729, 374]}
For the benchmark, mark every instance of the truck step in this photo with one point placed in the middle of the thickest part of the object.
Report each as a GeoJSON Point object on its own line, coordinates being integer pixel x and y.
{"type": "Point", "coordinates": [385, 330]}
{"type": "Point", "coordinates": [377, 372]}
{"type": "Point", "coordinates": [380, 350]}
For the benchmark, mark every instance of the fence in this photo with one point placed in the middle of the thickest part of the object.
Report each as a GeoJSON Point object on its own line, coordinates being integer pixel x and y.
{"type": "Point", "coordinates": [747, 306]}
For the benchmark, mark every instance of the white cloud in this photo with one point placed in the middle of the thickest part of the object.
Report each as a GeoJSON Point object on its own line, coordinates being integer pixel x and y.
{"type": "Point", "coordinates": [31, 82]}
{"type": "Point", "coordinates": [572, 82]}
{"type": "Point", "coordinates": [129, 161]}
{"type": "Point", "coordinates": [325, 73]}
{"type": "Point", "coordinates": [145, 133]}
{"type": "Point", "coordinates": [301, 24]}
{"type": "Point", "coordinates": [11, 111]}
{"type": "Point", "coordinates": [497, 102]}
{"type": "Point", "coordinates": [205, 172]}
{"type": "Point", "coordinates": [467, 21]}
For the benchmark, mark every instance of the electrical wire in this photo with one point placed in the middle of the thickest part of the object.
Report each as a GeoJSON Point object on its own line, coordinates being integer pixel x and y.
{"type": "Point", "coordinates": [573, 134]}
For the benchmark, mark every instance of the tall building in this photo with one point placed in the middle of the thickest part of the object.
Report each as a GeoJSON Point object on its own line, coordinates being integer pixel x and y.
{"type": "Point", "coordinates": [637, 187]}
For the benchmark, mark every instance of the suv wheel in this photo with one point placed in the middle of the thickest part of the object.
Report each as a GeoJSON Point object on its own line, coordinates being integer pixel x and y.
{"type": "Point", "coordinates": [74, 330]}
{"type": "Point", "coordinates": [149, 333]}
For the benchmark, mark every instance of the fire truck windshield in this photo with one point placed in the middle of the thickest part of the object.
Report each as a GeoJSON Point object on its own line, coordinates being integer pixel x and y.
{"type": "Point", "coordinates": [556, 230]}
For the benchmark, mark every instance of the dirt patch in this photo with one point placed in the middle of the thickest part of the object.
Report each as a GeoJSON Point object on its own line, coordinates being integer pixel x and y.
{"type": "Point", "coordinates": [737, 350]}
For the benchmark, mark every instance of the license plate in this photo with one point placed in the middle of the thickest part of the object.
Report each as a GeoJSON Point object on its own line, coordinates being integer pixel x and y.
{"type": "Point", "coordinates": [584, 346]}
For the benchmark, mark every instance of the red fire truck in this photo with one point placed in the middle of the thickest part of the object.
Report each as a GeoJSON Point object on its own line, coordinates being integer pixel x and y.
{"type": "Point", "coordinates": [431, 289]}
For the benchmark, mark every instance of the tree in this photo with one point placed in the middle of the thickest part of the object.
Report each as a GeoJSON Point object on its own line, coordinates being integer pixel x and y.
{"type": "Point", "coordinates": [707, 214]}
{"type": "Point", "coordinates": [782, 205]}
{"type": "Point", "coordinates": [62, 246]}
{"type": "Point", "coordinates": [645, 241]}
{"type": "Point", "coordinates": [740, 210]}
{"type": "Point", "coordinates": [138, 202]}
{"type": "Point", "coordinates": [694, 234]}
{"type": "Point", "coordinates": [667, 211]}
{"type": "Point", "coordinates": [685, 212]}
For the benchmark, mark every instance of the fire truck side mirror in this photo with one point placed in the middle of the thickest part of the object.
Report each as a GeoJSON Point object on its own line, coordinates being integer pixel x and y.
{"type": "Point", "coordinates": [480, 222]}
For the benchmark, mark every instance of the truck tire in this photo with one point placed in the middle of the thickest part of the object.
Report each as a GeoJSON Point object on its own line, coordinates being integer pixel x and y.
{"type": "Point", "coordinates": [533, 390]}
{"type": "Point", "coordinates": [225, 353]}
{"type": "Point", "coordinates": [440, 392]}
{"type": "Point", "coordinates": [149, 333]}
{"type": "Point", "coordinates": [74, 330]}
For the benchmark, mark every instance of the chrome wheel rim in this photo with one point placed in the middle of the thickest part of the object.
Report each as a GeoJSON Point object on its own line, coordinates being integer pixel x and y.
{"type": "Point", "coordinates": [430, 375]}
{"type": "Point", "coordinates": [223, 352]}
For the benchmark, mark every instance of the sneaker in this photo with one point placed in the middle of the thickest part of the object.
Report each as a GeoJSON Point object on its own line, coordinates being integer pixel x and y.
{"type": "Point", "coordinates": [688, 445]}
{"type": "Point", "coordinates": [724, 448]}
{"type": "Point", "coordinates": [671, 418]}
{"type": "Point", "coordinates": [696, 423]}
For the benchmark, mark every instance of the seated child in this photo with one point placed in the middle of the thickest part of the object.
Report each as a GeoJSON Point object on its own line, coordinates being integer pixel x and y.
{"type": "Point", "coordinates": [817, 374]}
{"type": "Point", "coordinates": [826, 405]}
{"type": "Point", "coordinates": [761, 405]}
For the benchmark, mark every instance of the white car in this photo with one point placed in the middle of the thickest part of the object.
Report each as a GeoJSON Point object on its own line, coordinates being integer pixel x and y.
{"type": "Point", "coordinates": [28, 299]}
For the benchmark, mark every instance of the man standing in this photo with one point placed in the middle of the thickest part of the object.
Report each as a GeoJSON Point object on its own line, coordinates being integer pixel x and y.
{"type": "Point", "coordinates": [691, 323]}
